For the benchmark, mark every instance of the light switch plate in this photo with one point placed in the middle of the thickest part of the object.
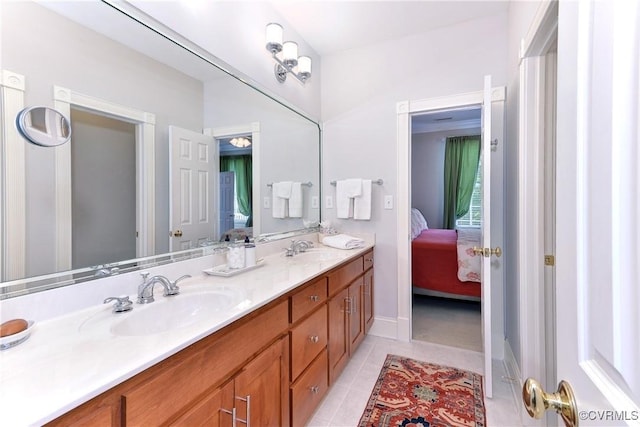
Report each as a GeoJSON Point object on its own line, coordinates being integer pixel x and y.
{"type": "Point", "coordinates": [315, 202]}
{"type": "Point", "coordinates": [388, 201]}
{"type": "Point", "coordinates": [266, 203]}
{"type": "Point", "coordinates": [328, 202]}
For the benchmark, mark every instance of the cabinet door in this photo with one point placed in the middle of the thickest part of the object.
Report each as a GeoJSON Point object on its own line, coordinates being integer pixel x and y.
{"type": "Point", "coordinates": [216, 410]}
{"type": "Point", "coordinates": [356, 314]}
{"type": "Point", "coordinates": [368, 300]}
{"type": "Point", "coordinates": [262, 388]}
{"type": "Point", "coordinates": [338, 337]}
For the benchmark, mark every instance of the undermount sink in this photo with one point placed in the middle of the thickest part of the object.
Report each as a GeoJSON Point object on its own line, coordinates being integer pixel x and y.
{"type": "Point", "coordinates": [167, 313]}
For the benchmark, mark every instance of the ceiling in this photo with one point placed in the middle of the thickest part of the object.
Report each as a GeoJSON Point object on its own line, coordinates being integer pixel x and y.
{"type": "Point", "coordinates": [331, 26]}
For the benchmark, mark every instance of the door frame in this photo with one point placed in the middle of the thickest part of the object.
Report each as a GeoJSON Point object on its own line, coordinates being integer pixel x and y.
{"type": "Point", "coordinates": [532, 303]}
{"type": "Point", "coordinates": [404, 111]}
{"type": "Point", "coordinates": [228, 132]}
{"type": "Point", "coordinates": [64, 100]}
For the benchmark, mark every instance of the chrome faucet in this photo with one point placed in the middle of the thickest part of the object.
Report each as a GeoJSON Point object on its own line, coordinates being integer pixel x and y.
{"type": "Point", "coordinates": [298, 246]}
{"type": "Point", "coordinates": [145, 289]}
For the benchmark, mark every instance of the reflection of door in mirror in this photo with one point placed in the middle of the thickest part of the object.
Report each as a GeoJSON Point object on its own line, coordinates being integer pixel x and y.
{"type": "Point", "coordinates": [103, 183]}
{"type": "Point", "coordinates": [193, 167]}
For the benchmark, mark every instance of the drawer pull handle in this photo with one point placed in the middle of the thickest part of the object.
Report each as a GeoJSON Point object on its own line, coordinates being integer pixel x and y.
{"type": "Point", "coordinates": [347, 305]}
{"type": "Point", "coordinates": [314, 298]}
{"type": "Point", "coordinates": [314, 338]}
{"type": "Point", "coordinates": [233, 415]}
{"type": "Point", "coordinates": [315, 389]}
{"type": "Point", "coordinates": [246, 421]}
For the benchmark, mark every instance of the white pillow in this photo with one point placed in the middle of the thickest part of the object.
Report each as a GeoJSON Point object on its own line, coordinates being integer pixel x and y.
{"type": "Point", "coordinates": [418, 223]}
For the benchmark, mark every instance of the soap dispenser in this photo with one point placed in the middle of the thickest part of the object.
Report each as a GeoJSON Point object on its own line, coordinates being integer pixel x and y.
{"type": "Point", "coordinates": [249, 253]}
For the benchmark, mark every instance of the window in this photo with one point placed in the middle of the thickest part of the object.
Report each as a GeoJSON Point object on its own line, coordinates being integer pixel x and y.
{"type": "Point", "coordinates": [473, 218]}
{"type": "Point", "coordinates": [239, 220]}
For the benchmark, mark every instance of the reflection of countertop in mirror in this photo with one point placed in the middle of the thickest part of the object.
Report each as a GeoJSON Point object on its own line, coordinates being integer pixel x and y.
{"type": "Point", "coordinates": [72, 358]}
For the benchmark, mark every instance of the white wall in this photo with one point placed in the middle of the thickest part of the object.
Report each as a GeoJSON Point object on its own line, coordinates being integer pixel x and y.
{"type": "Point", "coordinates": [521, 14]}
{"type": "Point", "coordinates": [360, 89]}
{"type": "Point", "coordinates": [234, 32]}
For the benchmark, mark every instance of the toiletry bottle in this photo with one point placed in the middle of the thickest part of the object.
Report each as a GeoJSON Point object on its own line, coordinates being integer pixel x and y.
{"type": "Point", "coordinates": [249, 253]}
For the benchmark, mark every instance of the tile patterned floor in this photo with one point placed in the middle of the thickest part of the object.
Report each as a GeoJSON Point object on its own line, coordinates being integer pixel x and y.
{"type": "Point", "coordinates": [347, 398]}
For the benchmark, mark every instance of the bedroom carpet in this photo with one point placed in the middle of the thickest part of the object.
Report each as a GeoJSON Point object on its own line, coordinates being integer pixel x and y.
{"type": "Point", "coordinates": [446, 321]}
{"type": "Point", "coordinates": [413, 393]}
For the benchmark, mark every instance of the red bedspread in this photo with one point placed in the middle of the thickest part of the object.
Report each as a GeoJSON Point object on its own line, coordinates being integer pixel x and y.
{"type": "Point", "coordinates": [434, 263]}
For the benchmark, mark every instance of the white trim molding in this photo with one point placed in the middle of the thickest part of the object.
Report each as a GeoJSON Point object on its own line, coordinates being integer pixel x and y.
{"type": "Point", "coordinates": [64, 100]}
{"type": "Point", "coordinates": [12, 181]}
{"type": "Point", "coordinates": [403, 155]}
{"type": "Point", "coordinates": [229, 131]}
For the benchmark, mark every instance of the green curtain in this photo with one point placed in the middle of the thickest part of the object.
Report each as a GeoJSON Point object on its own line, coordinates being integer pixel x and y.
{"type": "Point", "coordinates": [241, 166]}
{"type": "Point", "coordinates": [461, 157]}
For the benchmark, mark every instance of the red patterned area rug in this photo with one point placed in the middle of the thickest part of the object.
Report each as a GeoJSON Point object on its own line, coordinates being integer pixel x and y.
{"type": "Point", "coordinates": [413, 393]}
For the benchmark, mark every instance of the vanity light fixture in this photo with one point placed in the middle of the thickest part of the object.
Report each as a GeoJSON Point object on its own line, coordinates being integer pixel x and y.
{"type": "Point", "coordinates": [240, 142]}
{"type": "Point", "coordinates": [298, 66]}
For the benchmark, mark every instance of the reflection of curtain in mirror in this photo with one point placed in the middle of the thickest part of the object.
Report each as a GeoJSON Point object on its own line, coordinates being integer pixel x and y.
{"type": "Point", "coordinates": [241, 165]}
{"type": "Point", "coordinates": [461, 157]}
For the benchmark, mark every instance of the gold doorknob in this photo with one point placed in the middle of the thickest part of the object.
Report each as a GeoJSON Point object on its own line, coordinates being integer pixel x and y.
{"type": "Point", "coordinates": [177, 233]}
{"type": "Point", "coordinates": [487, 252]}
{"type": "Point", "coordinates": [537, 401]}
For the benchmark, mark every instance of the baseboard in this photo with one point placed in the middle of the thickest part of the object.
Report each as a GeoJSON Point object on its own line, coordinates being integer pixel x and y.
{"type": "Point", "coordinates": [385, 327]}
{"type": "Point", "coordinates": [514, 379]}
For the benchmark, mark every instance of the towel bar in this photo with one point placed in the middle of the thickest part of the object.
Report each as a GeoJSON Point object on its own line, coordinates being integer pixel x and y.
{"type": "Point", "coordinates": [376, 181]}
{"type": "Point", "coordinates": [306, 184]}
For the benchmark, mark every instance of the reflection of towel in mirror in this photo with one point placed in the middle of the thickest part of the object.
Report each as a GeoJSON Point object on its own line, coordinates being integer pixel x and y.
{"type": "Point", "coordinates": [342, 241]}
{"type": "Point", "coordinates": [281, 191]}
{"type": "Point", "coordinates": [295, 200]}
{"type": "Point", "coordinates": [362, 203]}
{"type": "Point", "coordinates": [346, 190]}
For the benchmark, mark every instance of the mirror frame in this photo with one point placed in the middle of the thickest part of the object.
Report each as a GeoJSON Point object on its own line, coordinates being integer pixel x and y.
{"type": "Point", "coordinates": [28, 285]}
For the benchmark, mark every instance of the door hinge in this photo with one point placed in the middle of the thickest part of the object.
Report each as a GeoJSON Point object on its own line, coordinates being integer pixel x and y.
{"type": "Point", "coordinates": [549, 260]}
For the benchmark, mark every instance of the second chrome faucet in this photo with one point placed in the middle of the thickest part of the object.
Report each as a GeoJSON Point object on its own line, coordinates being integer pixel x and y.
{"type": "Point", "coordinates": [145, 289]}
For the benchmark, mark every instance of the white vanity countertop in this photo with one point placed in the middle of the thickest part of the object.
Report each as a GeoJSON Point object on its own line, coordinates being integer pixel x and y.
{"type": "Point", "coordinates": [64, 363]}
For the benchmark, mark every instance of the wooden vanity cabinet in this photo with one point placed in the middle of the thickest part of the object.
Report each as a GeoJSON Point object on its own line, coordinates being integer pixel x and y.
{"type": "Point", "coordinates": [278, 362]}
{"type": "Point", "coordinates": [308, 335]}
{"type": "Point", "coordinates": [350, 310]}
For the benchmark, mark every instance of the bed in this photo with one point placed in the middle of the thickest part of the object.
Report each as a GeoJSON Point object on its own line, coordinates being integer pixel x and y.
{"type": "Point", "coordinates": [438, 261]}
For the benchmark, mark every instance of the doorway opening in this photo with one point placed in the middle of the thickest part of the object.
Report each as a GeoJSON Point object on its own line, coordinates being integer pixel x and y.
{"type": "Point", "coordinates": [446, 305]}
{"type": "Point", "coordinates": [236, 186]}
{"type": "Point", "coordinates": [103, 189]}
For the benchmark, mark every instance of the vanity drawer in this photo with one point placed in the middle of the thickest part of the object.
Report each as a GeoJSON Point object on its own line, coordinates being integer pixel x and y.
{"type": "Point", "coordinates": [345, 275]}
{"type": "Point", "coordinates": [308, 391]}
{"type": "Point", "coordinates": [308, 299]}
{"type": "Point", "coordinates": [308, 339]}
{"type": "Point", "coordinates": [368, 260]}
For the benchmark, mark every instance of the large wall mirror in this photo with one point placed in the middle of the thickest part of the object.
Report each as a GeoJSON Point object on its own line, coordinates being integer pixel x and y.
{"type": "Point", "coordinates": [168, 155]}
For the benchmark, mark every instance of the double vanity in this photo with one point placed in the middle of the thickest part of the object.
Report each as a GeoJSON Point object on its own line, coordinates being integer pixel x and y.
{"type": "Point", "coordinates": [257, 348]}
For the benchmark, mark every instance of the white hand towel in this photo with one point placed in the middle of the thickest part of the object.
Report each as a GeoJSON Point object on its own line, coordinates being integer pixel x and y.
{"type": "Point", "coordinates": [295, 201]}
{"type": "Point", "coordinates": [280, 193]}
{"type": "Point", "coordinates": [343, 241]}
{"type": "Point", "coordinates": [282, 189]}
{"type": "Point", "coordinates": [362, 203]}
{"type": "Point", "coordinates": [346, 190]}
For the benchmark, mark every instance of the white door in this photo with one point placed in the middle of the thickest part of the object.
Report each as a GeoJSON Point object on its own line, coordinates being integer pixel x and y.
{"type": "Point", "coordinates": [486, 270]}
{"type": "Point", "coordinates": [227, 199]}
{"type": "Point", "coordinates": [193, 167]}
{"type": "Point", "coordinates": [598, 209]}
